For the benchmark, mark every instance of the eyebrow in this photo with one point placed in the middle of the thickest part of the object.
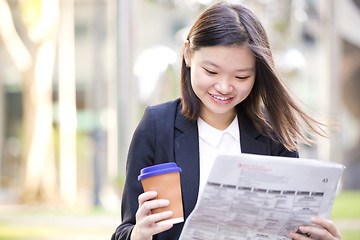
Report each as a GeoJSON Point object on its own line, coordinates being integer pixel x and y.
{"type": "Point", "coordinates": [238, 70]}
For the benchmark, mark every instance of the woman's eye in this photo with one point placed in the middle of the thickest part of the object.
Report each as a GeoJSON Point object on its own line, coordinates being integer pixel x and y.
{"type": "Point", "coordinates": [242, 78]}
{"type": "Point", "coordinates": [210, 72]}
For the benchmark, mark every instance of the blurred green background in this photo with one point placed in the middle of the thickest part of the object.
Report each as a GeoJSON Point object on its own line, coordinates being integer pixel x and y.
{"type": "Point", "coordinates": [346, 214]}
{"type": "Point", "coordinates": [24, 223]}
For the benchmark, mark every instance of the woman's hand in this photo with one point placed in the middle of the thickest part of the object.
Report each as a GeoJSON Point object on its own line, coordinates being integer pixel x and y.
{"type": "Point", "coordinates": [146, 226]}
{"type": "Point", "coordinates": [328, 232]}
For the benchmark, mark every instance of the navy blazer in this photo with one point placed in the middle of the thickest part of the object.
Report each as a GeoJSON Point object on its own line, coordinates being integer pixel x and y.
{"type": "Point", "coordinates": [164, 134]}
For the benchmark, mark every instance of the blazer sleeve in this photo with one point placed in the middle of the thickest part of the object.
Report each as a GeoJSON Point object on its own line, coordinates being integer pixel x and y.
{"type": "Point", "coordinates": [140, 155]}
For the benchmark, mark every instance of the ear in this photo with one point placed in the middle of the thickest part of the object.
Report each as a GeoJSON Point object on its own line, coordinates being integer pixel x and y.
{"type": "Point", "coordinates": [187, 54]}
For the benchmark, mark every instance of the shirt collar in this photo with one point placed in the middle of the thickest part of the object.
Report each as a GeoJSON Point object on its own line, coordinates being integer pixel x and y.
{"type": "Point", "coordinates": [213, 136]}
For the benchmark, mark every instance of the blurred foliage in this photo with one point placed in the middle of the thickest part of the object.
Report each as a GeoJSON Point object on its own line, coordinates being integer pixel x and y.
{"type": "Point", "coordinates": [350, 235]}
{"type": "Point", "coordinates": [31, 11]}
{"type": "Point", "coordinates": [347, 205]}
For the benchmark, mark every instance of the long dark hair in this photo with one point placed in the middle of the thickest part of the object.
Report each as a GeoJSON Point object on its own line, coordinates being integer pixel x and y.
{"type": "Point", "coordinates": [269, 105]}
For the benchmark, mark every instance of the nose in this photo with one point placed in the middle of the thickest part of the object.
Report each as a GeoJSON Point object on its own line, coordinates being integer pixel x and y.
{"type": "Point", "coordinates": [224, 86]}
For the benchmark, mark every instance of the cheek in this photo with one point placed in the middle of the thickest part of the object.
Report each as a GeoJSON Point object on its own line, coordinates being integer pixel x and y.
{"type": "Point", "coordinates": [245, 88]}
{"type": "Point", "coordinates": [199, 82]}
{"type": "Point", "coordinates": [250, 86]}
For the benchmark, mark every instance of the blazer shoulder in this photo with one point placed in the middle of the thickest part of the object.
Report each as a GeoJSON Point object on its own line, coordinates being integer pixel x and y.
{"type": "Point", "coordinates": [164, 114]}
{"type": "Point", "coordinates": [159, 115]}
{"type": "Point", "coordinates": [164, 109]}
{"type": "Point", "coordinates": [162, 119]}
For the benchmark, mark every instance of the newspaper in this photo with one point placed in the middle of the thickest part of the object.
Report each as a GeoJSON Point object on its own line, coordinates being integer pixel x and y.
{"type": "Point", "coordinates": [262, 197]}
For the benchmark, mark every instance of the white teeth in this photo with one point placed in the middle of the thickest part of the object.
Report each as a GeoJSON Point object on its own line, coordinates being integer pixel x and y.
{"type": "Point", "coordinates": [221, 98]}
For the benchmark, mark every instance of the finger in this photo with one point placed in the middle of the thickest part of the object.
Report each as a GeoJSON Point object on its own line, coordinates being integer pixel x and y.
{"type": "Point", "coordinates": [147, 206]}
{"type": "Point", "coordinates": [154, 218]}
{"type": "Point", "coordinates": [150, 227]}
{"type": "Point", "coordinates": [160, 228]}
{"type": "Point", "coordinates": [328, 225]}
{"type": "Point", "coordinates": [146, 232]}
{"type": "Point", "coordinates": [146, 196]}
{"type": "Point", "coordinates": [297, 236]}
{"type": "Point", "coordinates": [320, 232]}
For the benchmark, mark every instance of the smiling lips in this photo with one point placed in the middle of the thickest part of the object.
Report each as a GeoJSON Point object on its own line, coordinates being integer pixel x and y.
{"type": "Point", "coordinates": [220, 98]}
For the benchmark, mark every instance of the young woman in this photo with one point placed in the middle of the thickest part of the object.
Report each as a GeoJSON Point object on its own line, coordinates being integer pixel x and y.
{"type": "Point", "coordinates": [232, 102]}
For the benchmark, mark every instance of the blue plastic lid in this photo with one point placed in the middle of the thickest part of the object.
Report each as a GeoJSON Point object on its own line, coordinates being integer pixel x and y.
{"type": "Point", "coordinates": [158, 169]}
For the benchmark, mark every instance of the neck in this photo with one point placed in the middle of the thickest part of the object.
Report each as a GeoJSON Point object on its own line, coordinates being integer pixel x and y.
{"type": "Point", "coordinates": [218, 121]}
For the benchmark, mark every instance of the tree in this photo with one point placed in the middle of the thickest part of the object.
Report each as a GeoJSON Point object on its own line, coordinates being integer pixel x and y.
{"type": "Point", "coordinates": [34, 56]}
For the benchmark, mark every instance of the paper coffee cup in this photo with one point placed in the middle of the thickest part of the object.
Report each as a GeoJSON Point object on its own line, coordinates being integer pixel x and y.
{"type": "Point", "coordinates": [165, 180]}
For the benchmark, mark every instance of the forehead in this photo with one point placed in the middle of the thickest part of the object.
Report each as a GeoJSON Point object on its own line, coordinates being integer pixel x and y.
{"type": "Point", "coordinates": [235, 57]}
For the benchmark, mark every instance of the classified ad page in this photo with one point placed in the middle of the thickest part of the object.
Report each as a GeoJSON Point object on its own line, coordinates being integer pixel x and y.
{"type": "Point", "coordinates": [262, 197]}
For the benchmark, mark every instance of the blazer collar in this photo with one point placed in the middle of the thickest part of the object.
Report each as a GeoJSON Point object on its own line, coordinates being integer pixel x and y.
{"type": "Point", "coordinates": [182, 124]}
{"type": "Point", "coordinates": [186, 148]}
{"type": "Point", "coordinates": [250, 138]}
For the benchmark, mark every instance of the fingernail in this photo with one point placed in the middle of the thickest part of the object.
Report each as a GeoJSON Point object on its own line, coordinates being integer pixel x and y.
{"type": "Point", "coordinates": [315, 218]}
{"type": "Point", "coordinates": [153, 193]}
{"type": "Point", "coordinates": [168, 213]}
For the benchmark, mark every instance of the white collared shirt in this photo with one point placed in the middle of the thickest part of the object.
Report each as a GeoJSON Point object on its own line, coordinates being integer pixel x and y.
{"type": "Point", "coordinates": [213, 142]}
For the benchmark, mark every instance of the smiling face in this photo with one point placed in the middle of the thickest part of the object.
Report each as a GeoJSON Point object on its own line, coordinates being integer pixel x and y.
{"type": "Point", "coordinates": [221, 77]}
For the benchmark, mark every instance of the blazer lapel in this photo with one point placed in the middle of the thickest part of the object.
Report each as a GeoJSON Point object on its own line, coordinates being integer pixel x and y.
{"type": "Point", "coordinates": [186, 147]}
{"type": "Point", "coordinates": [251, 140]}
